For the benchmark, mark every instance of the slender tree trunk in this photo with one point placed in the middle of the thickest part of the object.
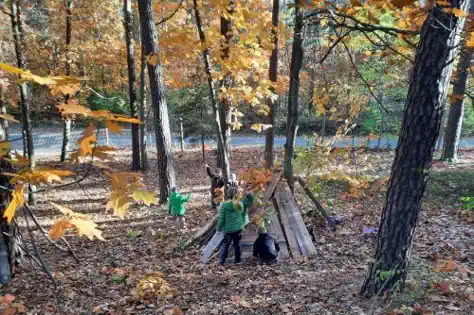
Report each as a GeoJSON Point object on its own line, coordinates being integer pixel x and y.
{"type": "Point", "coordinates": [132, 91]}
{"type": "Point", "coordinates": [143, 102]}
{"type": "Point", "coordinates": [3, 122]}
{"type": "Point", "coordinates": [221, 148]}
{"type": "Point", "coordinates": [181, 135]}
{"type": "Point", "coordinates": [226, 103]}
{"type": "Point", "coordinates": [292, 119]}
{"type": "Point", "coordinates": [273, 74]}
{"type": "Point", "coordinates": [67, 120]}
{"type": "Point", "coordinates": [150, 42]}
{"type": "Point", "coordinates": [202, 133]}
{"type": "Point", "coordinates": [452, 133]}
{"type": "Point", "coordinates": [426, 96]}
{"type": "Point", "coordinates": [444, 119]}
{"type": "Point", "coordinates": [19, 40]}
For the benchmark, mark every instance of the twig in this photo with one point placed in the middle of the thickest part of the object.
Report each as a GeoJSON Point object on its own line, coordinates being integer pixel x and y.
{"type": "Point", "coordinates": [35, 220]}
{"type": "Point", "coordinates": [35, 248]}
{"type": "Point", "coordinates": [362, 78]}
{"type": "Point", "coordinates": [171, 15]}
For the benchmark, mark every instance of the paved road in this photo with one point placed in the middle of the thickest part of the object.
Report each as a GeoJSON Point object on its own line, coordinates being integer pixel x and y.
{"type": "Point", "coordinates": [51, 142]}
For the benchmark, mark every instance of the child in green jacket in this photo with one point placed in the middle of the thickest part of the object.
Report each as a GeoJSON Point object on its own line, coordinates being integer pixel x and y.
{"type": "Point", "coordinates": [176, 207]}
{"type": "Point", "coordinates": [233, 217]}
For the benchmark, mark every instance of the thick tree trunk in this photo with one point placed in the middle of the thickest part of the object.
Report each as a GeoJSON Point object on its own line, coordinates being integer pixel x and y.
{"type": "Point", "coordinates": [226, 103]}
{"type": "Point", "coordinates": [19, 40]}
{"type": "Point", "coordinates": [273, 74]}
{"type": "Point", "coordinates": [292, 119]}
{"type": "Point", "coordinates": [426, 96]}
{"type": "Point", "coordinates": [452, 133]}
{"type": "Point", "coordinates": [142, 109]}
{"type": "Point", "coordinates": [8, 232]}
{"type": "Point", "coordinates": [132, 91]}
{"type": "Point", "coordinates": [150, 42]}
{"type": "Point", "coordinates": [67, 120]}
{"type": "Point", "coordinates": [223, 149]}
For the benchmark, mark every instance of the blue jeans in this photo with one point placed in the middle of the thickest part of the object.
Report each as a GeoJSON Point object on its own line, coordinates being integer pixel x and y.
{"type": "Point", "coordinates": [233, 238]}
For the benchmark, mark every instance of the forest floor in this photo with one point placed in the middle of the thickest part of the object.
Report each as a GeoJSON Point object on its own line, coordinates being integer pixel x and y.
{"type": "Point", "coordinates": [104, 280]}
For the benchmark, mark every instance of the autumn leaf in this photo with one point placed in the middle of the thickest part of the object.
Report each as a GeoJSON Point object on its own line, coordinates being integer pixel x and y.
{"type": "Point", "coordinates": [113, 126]}
{"type": "Point", "coordinates": [260, 127]}
{"type": "Point", "coordinates": [18, 200]}
{"type": "Point", "coordinates": [456, 97]}
{"type": "Point", "coordinates": [5, 148]}
{"type": "Point", "coordinates": [9, 118]}
{"type": "Point", "coordinates": [81, 222]}
{"type": "Point", "coordinates": [11, 69]}
{"type": "Point", "coordinates": [19, 160]}
{"type": "Point", "coordinates": [152, 59]}
{"type": "Point", "coordinates": [44, 175]}
{"type": "Point", "coordinates": [153, 285]}
{"type": "Point", "coordinates": [119, 202]}
{"type": "Point", "coordinates": [58, 229]}
{"type": "Point", "coordinates": [147, 197]}
{"type": "Point", "coordinates": [72, 109]}
{"type": "Point", "coordinates": [401, 3]}
{"type": "Point", "coordinates": [86, 140]}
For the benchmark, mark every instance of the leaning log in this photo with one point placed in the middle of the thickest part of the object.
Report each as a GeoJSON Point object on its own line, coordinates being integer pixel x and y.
{"type": "Point", "coordinates": [318, 205]}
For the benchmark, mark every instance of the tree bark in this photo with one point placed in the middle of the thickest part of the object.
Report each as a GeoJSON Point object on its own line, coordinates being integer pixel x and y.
{"type": "Point", "coordinates": [132, 91]}
{"type": "Point", "coordinates": [67, 68]}
{"type": "Point", "coordinates": [18, 36]}
{"type": "Point", "coordinates": [150, 42]}
{"type": "Point", "coordinates": [292, 119]}
{"type": "Point", "coordinates": [142, 109]}
{"type": "Point", "coordinates": [212, 94]}
{"type": "Point", "coordinates": [8, 232]}
{"type": "Point", "coordinates": [273, 75]}
{"type": "Point", "coordinates": [452, 132]}
{"type": "Point", "coordinates": [226, 103]}
{"type": "Point", "coordinates": [426, 96]}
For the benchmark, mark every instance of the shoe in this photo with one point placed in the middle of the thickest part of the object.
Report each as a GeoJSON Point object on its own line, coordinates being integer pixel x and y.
{"type": "Point", "coordinates": [238, 263]}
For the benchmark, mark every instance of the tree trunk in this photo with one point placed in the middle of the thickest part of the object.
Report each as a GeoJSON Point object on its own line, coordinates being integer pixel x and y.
{"type": "Point", "coordinates": [202, 133]}
{"type": "Point", "coordinates": [226, 103]}
{"type": "Point", "coordinates": [132, 91]}
{"type": "Point", "coordinates": [150, 42]}
{"type": "Point", "coordinates": [426, 96]}
{"type": "Point", "coordinates": [452, 133]}
{"type": "Point", "coordinates": [67, 120]}
{"type": "Point", "coordinates": [8, 232]}
{"type": "Point", "coordinates": [143, 129]}
{"type": "Point", "coordinates": [273, 74]}
{"type": "Point", "coordinates": [444, 119]}
{"type": "Point", "coordinates": [181, 135]}
{"type": "Point", "coordinates": [292, 119]}
{"type": "Point", "coordinates": [19, 40]}
{"type": "Point", "coordinates": [221, 148]}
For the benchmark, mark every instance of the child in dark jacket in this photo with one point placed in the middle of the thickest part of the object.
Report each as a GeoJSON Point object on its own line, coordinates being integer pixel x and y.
{"type": "Point", "coordinates": [217, 181]}
{"type": "Point", "coordinates": [265, 248]}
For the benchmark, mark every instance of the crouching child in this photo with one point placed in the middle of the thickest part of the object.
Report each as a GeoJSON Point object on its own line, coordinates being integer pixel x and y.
{"type": "Point", "coordinates": [265, 248]}
{"type": "Point", "coordinates": [176, 207]}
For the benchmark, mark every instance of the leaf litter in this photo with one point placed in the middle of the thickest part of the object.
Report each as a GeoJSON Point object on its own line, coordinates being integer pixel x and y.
{"type": "Point", "coordinates": [146, 243]}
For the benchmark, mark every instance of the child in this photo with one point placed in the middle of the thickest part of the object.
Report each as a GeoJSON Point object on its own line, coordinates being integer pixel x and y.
{"type": "Point", "coordinates": [217, 181]}
{"type": "Point", "coordinates": [232, 219]}
{"type": "Point", "coordinates": [231, 184]}
{"type": "Point", "coordinates": [176, 207]}
{"type": "Point", "coordinates": [265, 248]}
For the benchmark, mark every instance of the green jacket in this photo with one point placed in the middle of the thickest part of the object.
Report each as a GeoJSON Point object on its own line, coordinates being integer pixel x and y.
{"type": "Point", "coordinates": [176, 203]}
{"type": "Point", "coordinates": [232, 219]}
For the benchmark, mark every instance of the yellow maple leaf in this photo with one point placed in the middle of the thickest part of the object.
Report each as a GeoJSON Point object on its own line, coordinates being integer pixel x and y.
{"type": "Point", "coordinates": [66, 89]}
{"type": "Point", "coordinates": [113, 126]}
{"type": "Point", "coordinates": [58, 229]}
{"type": "Point", "coordinates": [43, 175]}
{"type": "Point", "coordinates": [87, 228]}
{"type": "Point", "coordinates": [119, 202]}
{"type": "Point", "coordinates": [18, 200]}
{"type": "Point", "coordinates": [102, 152]}
{"type": "Point", "coordinates": [81, 222]}
{"type": "Point", "coordinates": [147, 197]}
{"type": "Point", "coordinates": [72, 109]}
{"type": "Point", "coordinates": [19, 160]}
{"type": "Point", "coordinates": [152, 286]}
{"type": "Point", "coordinates": [125, 119]}
{"type": "Point", "coordinates": [5, 148]}
{"type": "Point", "coordinates": [9, 118]}
{"type": "Point", "coordinates": [10, 69]}
{"type": "Point", "coordinates": [152, 59]}
{"type": "Point", "coordinates": [86, 140]}
{"type": "Point", "coordinates": [260, 127]}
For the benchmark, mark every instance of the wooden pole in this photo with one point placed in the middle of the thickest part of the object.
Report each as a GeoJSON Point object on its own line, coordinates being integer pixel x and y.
{"type": "Point", "coordinates": [320, 208]}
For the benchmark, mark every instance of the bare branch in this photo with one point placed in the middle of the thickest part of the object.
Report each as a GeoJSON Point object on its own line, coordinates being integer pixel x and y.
{"type": "Point", "coordinates": [171, 15]}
